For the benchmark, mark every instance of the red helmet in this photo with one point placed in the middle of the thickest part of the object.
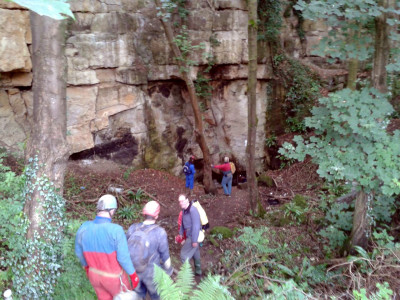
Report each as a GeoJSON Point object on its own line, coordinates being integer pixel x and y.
{"type": "Point", "coordinates": [152, 209]}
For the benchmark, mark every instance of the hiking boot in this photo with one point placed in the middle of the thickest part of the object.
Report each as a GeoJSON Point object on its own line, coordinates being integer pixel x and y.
{"type": "Point", "coordinates": [197, 268]}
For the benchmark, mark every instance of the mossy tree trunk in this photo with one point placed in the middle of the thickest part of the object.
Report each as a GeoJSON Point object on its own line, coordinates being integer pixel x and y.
{"type": "Point", "coordinates": [352, 77]}
{"type": "Point", "coordinates": [359, 232]}
{"type": "Point", "coordinates": [199, 132]}
{"type": "Point", "coordinates": [382, 48]}
{"type": "Point", "coordinates": [252, 103]}
{"type": "Point", "coordinates": [48, 137]}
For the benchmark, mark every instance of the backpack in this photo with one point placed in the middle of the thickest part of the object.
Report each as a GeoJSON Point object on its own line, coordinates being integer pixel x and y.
{"type": "Point", "coordinates": [203, 216]}
{"type": "Point", "coordinates": [186, 169]}
{"type": "Point", "coordinates": [138, 244]}
{"type": "Point", "coordinates": [233, 167]}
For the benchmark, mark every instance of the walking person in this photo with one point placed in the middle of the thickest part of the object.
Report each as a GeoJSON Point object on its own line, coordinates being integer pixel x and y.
{"type": "Point", "coordinates": [189, 171]}
{"type": "Point", "coordinates": [190, 227]}
{"type": "Point", "coordinates": [102, 249]}
{"type": "Point", "coordinates": [148, 245]}
{"type": "Point", "coordinates": [227, 176]}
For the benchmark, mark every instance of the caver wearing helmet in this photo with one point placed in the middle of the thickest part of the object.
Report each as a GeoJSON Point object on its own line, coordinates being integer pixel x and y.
{"type": "Point", "coordinates": [102, 249]}
{"type": "Point", "coordinates": [151, 209]}
{"type": "Point", "coordinates": [148, 245]}
{"type": "Point", "coordinates": [107, 202]}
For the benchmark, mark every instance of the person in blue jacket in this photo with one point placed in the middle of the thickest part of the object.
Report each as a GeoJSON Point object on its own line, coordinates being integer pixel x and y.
{"type": "Point", "coordinates": [190, 175]}
{"type": "Point", "coordinates": [102, 250]}
{"type": "Point", "coordinates": [191, 226]}
{"type": "Point", "coordinates": [157, 251]}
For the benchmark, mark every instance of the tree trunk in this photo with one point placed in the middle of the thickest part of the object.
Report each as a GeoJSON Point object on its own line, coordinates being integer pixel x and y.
{"type": "Point", "coordinates": [199, 133]}
{"type": "Point", "coordinates": [358, 236]}
{"type": "Point", "coordinates": [352, 77]}
{"type": "Point", "coordinates": [252, 102]}
{"type": "Point", "coordinates": [382, 49]}
{"type": "Point", "coordinates": [48, 137]}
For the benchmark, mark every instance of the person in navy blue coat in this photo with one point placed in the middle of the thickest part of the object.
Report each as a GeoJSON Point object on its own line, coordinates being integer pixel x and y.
{"type": "Point", "coordinates": [190, 175]}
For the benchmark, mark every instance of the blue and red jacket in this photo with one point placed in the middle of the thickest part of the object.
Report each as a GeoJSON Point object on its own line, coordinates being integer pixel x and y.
{"type": "Point", "coordinates": [102, 245]}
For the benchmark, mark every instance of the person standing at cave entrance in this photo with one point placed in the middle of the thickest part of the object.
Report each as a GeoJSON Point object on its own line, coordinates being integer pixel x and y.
{"type": "Point", "coordinates": [189, 171]}
{"type": "Point", "coordinates": [227, 176]}
{"type": "Point", "coordinates": [102, 249]}
{"type": "Point", "coordinates": [190, 227]}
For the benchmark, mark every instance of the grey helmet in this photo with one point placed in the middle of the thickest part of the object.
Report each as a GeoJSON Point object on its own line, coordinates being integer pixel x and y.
{"type": "Point", "coordinates": [107, 202]}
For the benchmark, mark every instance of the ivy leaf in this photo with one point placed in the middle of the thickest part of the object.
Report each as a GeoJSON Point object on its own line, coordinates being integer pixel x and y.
{"type": "Point", "coordinates": [56, 9]}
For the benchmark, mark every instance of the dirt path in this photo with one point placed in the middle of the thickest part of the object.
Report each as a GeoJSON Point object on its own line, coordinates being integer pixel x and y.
{"type": "Point", "coordinates": [92, 179]}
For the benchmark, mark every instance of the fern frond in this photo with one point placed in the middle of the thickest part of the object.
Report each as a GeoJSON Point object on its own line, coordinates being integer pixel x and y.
{"type": "Point", "coordinates": [185, 278]}
{"type": "Point", "coordinates": [165, 286]}
{"type": "Point", "coordinates": [210, 289]}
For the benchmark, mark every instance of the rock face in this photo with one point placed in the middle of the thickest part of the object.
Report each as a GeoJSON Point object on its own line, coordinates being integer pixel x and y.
{"type": "Point", "coordinates": [126, 99]}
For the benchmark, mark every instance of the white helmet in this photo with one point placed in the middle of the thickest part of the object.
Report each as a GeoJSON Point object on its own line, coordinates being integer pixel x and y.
{"type": "Point", "coordinates": [226, 159]}
{"type": "Point", "coordinates": [107, 202]}
{"type": "Point", "coordinates": [152, 209]}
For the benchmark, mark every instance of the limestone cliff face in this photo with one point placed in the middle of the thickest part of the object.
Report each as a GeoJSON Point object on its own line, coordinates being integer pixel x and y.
{"type": "Point", "coordinates": [126, 99]}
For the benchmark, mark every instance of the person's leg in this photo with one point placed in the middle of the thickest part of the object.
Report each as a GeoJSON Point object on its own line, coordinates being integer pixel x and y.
{"type": "Point", "coordinates": [141, 289]}
{"type": "Point", "coordinates": [187, 250]}
{"type": "Point", "coordinates": [224, 183]}
{"type": "Point", "coordinates": [105, 287]}
{"type": "Point", "coordinates": [151, 287]}
{"type": "Point", "coordinates": [230, 184]}
{"type": "Point", "coordinates": [197, 261]}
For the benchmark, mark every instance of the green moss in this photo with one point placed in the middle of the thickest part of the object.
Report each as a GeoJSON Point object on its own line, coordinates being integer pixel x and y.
{"type": "Point", "coordinates": [266, 180]}
{"type": "Point", "coordinates": [225, 232]}
{"type": "Point", "coordinates": [300, 201]}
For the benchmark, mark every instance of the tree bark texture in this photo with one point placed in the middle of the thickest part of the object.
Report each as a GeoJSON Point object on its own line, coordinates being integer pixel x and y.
{"type": "Point", "coordinates": [252, 102]}
{"type": "Point", "coordinates": [358, 236]}
{"type": "Point", "coordinates": [199, 132]}
{"type": "Point", "coordinates": [352, 77]}
{"type": "Point", "coordinates": [48, 137]}
{"type": "Point", "coordinates": [382, 49]}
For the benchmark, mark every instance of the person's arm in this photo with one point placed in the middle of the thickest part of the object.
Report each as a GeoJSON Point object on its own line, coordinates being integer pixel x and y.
{"type": "Point", "coordinates": [163, 249]}
{"type": "Point", "coordinates": [192, 169]}
{"type": "Point", "coordinates": [181, 229]}
{"type": "Point", "coordinates": [78, 246]}
{"type": "Point", "coordinates": [196, 225]}
{"type": "Point", "coordinates": [123, 256]}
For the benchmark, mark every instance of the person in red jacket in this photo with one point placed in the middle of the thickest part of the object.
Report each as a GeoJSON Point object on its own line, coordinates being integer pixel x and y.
{"type": "Point", "coordinates": [226, 182]}
{"type": "Point", "coordinates": [102, 249]}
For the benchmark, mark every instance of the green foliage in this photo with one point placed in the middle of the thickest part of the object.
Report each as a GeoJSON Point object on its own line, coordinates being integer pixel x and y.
{"type": "Point", "coordinates": [35, 280]}
{"type": "Point", "coordinates": [73, 282]}
{"type": "Point", "coordinates": [271, 141]}
{"type": "Point", "coordinates": [351, 142]}
{"type": "Point", "coordinates": [12, 221]}
{"type": "Point", "coordinates": [286, 290]}
{"type": "Point", "coordinates": [384, 293]}
{"type": "Point", "coordinates": [222, 231]}
{"type": "Point", "coordinates": [302, 90]}
{"type": "Point", "coordinates": [270, 21]}
{"type": "Point", "coordinates": [56, 9]}
{"type": "Point", "coordinates": [72, 186]}
{"type": "Point", "coordinates": [261, 255]}
{"type": "Point", "coordinates": [138, 196]}
{"type": "Point", "coordinates": [183, 287]}
{"type": "Point", "coordinates": [297, 210]}
{"type": "Point", "coordinates": [202, 86]}
{"type": "Point", "coordinates": [353, 17]}
{"type": "Point", "coordinates": [129, 213]}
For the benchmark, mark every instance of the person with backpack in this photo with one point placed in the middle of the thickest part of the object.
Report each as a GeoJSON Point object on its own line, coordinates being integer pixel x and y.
{"type": "Point", "coordinates": [227, 171]}
{"type": "Point", "coordinates": [190, 228]}
{"type": "Point", "coordinates": [148, 245]}
{"type": "Point", "coordinates": [189, 171]}
{"type": "Point", "coordinates": [102, 249]}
